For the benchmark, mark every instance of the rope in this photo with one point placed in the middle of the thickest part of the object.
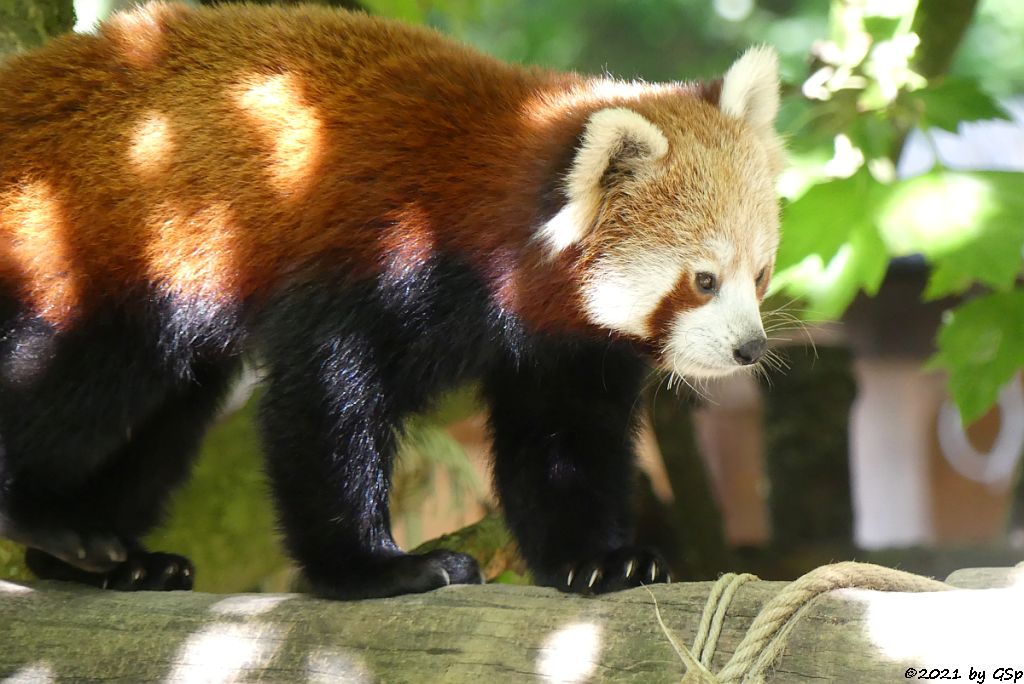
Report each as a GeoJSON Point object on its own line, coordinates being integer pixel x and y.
{"type": "Point", "coordinates": [712, 619]}
{"type": "Point", "coordinates": [765, 640]}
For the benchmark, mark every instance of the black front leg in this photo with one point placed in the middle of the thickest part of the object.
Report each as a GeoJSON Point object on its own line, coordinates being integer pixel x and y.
{"type": "Point", "coordinates": [564, 426]}
{"type": "Point", "coordinates": [328, 421]}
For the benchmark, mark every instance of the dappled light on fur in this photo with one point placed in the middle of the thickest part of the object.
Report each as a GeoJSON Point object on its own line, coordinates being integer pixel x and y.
{"type": "Point", "coordinates": [550, 106]}
{"type": "Point", "coordinates": [140, 36]}
{"type": "Point", "coordinates": [291, 128]}
{"type": "Point", "coordinates": [30, 347]}
{"type": "Point", "coordinates": [151, 144]}
{"type": "Point", "coordinates": [570, 654]}
{"type": "Point", "coordinates": [406, 243]}
{"type": "Point", "coordinates": [195, 251]}
{"type": "Point", "coordinates": [32, 214]}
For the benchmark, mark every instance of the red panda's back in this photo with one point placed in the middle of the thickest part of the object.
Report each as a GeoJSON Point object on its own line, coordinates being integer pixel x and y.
{"type": "Point", "coordinates": [215, 150]}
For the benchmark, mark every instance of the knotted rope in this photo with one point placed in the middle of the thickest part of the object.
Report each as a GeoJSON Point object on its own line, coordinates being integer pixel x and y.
{"type": "Point", "coordinates": [766, 637]}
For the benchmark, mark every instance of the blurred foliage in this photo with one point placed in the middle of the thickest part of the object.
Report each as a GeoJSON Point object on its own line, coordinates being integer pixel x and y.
{"type": "Point", "coordinates": [12, 561]}
{"type": "Point", "coordinates": [429, 456]}
{"type": "Point", "coordinates": [27, 23]}
{"type": "Point", "coordinates": [806, 420]}
{"type": "Point", "coordinates": [848, 213]}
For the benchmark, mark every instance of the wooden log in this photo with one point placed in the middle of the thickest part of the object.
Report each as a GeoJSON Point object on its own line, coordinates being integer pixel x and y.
{"type": "Point", "coordinates": [54, 632]}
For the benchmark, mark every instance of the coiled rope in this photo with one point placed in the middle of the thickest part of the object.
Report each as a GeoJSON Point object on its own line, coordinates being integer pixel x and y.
{"type": "Point", "coordinates": [765, 640]}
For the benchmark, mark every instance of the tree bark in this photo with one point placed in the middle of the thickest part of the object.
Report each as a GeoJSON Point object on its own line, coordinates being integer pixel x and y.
{"type": "Point", "coordinates": [502, 633]}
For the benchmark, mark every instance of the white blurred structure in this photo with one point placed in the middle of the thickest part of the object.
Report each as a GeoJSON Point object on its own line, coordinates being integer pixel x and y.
{"type": "Point", "coordinates": [902, 413]}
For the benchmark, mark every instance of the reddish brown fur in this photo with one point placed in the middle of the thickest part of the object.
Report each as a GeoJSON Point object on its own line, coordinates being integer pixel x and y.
{"type": "Point", "coordinates": [682, 297]}
{"type": "Point", "coordinates": [218, 152]}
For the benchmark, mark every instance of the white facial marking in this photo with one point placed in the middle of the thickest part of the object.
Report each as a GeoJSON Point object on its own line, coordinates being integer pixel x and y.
{"type": "Point", "coordinates": [566, 227]}
{"type": "Point", "coordinates": [622, 296]}
{"type": "Point", "coordinates": [750, 89]}
{"type": "Point", "coordinates": [702, 340]}
{"type": "Point", "coordinates": [604, 138]}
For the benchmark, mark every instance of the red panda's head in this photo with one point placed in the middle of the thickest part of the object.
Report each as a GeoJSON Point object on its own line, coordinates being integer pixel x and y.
{"type": "Point", "coordinates": [672, 207]}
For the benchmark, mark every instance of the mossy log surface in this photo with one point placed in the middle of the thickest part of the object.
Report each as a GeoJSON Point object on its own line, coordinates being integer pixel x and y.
{"type": "Point", "coordinates": [495, 633]}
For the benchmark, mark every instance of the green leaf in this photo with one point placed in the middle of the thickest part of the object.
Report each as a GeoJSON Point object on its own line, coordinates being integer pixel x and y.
{"type": "Point", "coordinates": [970, 226]}
{"type": "Point", "coordinates": [981, 345]}
{"type": "Point", "coordinates": [881, 28]}
{"type": "Point", "coordinates": [952, 100]}
{"type": "Point", "coordinates": [873, 134]}
{"type": "Point", "coordinates": [412, 11]}
{"type": "Point", "coordinates": [823, 218]}
{"type": "Point", "coordinates": [831, 248]}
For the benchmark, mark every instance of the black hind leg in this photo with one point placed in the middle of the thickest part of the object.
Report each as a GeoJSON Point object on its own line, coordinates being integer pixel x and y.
{"type": "Point", "coordinates": [125, 498]}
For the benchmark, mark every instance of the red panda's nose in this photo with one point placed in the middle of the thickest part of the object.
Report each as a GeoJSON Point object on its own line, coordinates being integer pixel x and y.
{"type": "Point", "coordinates": [750, 351]}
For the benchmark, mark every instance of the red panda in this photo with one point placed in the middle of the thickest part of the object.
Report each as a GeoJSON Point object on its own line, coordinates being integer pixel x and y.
{"type": "Point", "coordinates": [373, 213]}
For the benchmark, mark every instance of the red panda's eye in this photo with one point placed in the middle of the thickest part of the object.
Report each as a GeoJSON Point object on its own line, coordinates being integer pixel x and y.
{"type": "Point", "coordinates": [760, 277]}
{"type": "Point", "coordinates": [706, 282]}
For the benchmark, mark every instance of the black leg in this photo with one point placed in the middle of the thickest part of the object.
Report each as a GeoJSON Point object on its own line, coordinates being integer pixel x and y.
{"type": "Point", "coordinates": [95, 541]}
{"type": "Point", "coordinates": [564, 430]}
{"type": "Point", "coordinates": [128, 495]}
{"type": "Point", "coordinates": [328, 422]}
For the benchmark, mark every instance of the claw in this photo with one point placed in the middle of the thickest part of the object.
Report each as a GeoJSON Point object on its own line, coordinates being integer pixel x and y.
{"type": "Point", "coordinates": [572, 575]}
{"type": "Point", "coordinates": [594, 576]}
{"type": "Point", "coordinates": [630, 567]}
{"type": "Point", "coordinates": [654, 570]}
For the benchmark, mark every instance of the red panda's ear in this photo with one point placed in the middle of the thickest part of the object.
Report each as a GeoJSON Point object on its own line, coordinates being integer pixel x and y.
{"type": "Point", "coordinates": [750, 89]}
{"type": "Point", "coordinates": [614, 139]}
{"type": "Point", "coordinates": [615, 142]}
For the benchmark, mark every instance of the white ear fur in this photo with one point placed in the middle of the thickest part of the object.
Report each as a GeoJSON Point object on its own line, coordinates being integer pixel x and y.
{"type": "Point", "coordinates": [605, 137]}
{"type": "Point", "coordinates": [610, 135]}
{"type": "Point", "coordinates": [750, 89]}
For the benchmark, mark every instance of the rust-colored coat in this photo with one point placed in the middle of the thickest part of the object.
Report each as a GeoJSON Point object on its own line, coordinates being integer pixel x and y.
{"type": "Point", "coordinates": [216, 153]}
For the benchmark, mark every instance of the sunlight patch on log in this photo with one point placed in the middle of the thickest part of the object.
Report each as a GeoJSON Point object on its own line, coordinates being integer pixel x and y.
{"type": "Point", "coordinates": [226, 652]}
{"type": "Point", "coordinates": [247, 605]}
{"type": "Point", "coordinates": [570, 654]}
{"type": "Point", "coordinates": [984, 624]}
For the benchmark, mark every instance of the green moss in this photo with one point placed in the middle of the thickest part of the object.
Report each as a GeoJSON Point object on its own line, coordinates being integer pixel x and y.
{"type": "Point", "coordinates": [223, 519]}
{"type": "Point", "coordinates": [12, 561]}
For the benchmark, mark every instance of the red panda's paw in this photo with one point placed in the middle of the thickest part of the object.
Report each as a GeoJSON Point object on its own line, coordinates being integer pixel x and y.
{"type": "Point", "coordinates": [141, 571]}
{"type": "Point", "coordinates": [90, 552]}
{"type": "Point", "coordinates": [403, 574]}
{"type": "Point", "coordinates": [620, 569]}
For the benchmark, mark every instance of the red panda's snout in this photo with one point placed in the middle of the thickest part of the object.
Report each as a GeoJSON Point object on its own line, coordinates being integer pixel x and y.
{"type": "Point", "coordinates": [721, 335]}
